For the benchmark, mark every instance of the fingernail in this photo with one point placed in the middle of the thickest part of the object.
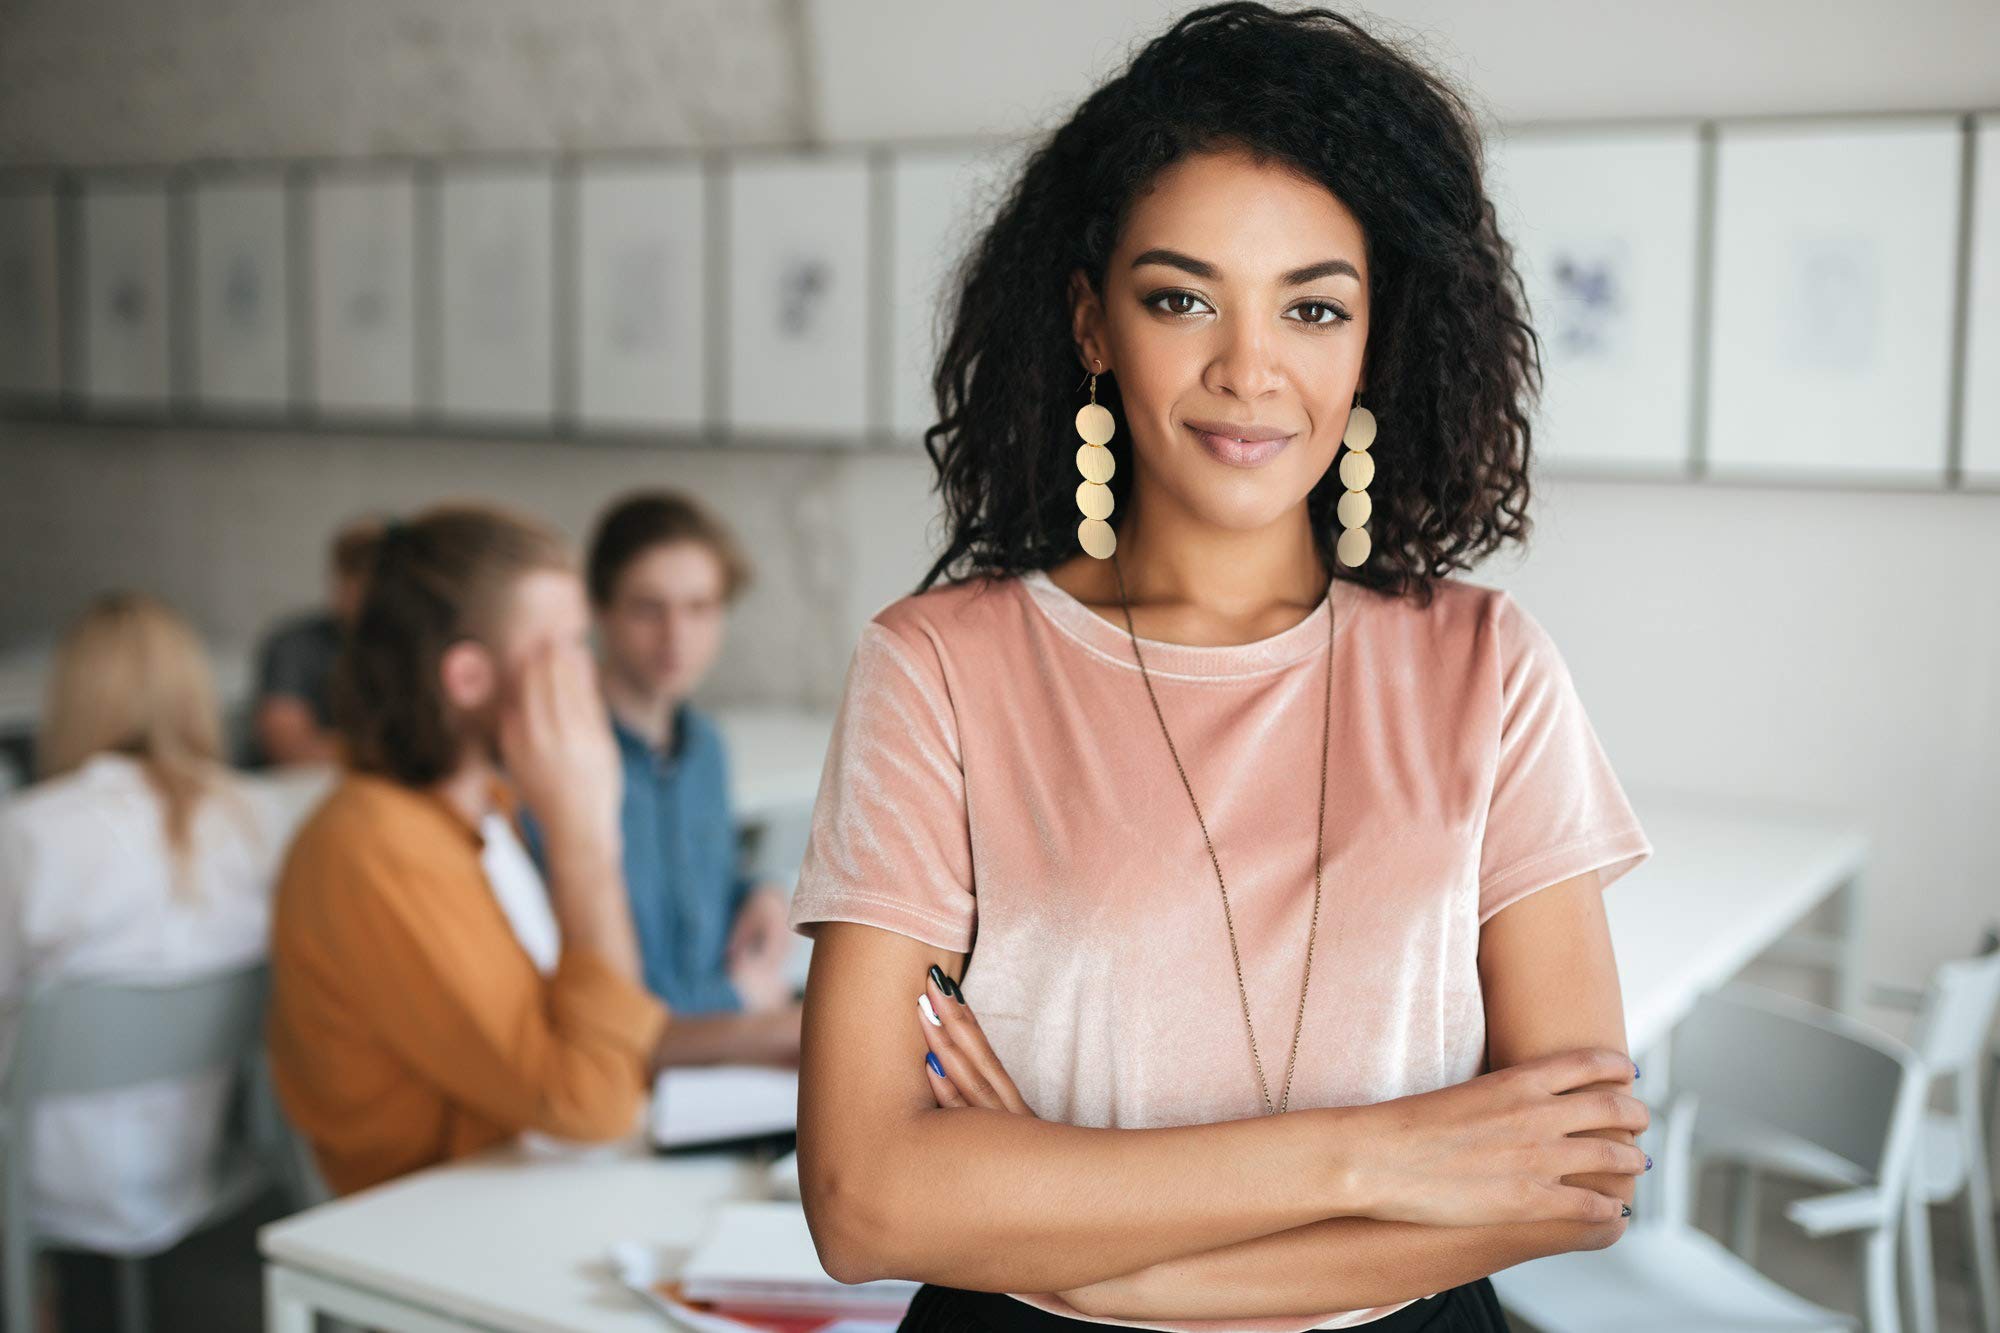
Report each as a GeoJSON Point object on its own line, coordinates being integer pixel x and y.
{"type": "Point", "coordinates": [930, 1058]}
{"type": "Point", "coordinates": [924, 1003]}
{"type": "Point", "coordinates": [1624, 1210]}
{"type": "Point", "coordinates": [944, 984]}
{"type": "Point", "coordinates": [1635, 1070]}
{"type": "Point", "coordinates": [1649, 1161]}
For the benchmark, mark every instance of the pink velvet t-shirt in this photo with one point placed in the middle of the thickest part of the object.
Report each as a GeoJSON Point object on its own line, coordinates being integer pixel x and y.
{"type": "Point", "coordinates": [997, 784]}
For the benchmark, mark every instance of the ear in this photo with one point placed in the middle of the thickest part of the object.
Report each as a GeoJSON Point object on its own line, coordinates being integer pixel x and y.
{"type": "Point", "coordinates": [469, 676]}
{"type": "Point", "coordinates": [1087, 323]}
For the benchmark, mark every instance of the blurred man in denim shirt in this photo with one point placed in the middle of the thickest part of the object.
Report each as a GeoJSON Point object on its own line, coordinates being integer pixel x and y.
{"type": "Point", "coordinates": [662, 572]}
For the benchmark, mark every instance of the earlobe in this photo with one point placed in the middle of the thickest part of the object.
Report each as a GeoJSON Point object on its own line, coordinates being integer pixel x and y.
{"type": "Point", "coordinates": [467, 676]}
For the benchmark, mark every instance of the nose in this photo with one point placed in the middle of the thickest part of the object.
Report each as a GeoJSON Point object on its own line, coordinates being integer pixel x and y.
{"type": "Point", "coordinates": [1245, 364]}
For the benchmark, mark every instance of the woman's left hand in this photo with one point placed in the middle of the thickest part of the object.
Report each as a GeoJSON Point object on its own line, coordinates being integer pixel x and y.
{"type": "Point", "coordinates": [961, 1065]}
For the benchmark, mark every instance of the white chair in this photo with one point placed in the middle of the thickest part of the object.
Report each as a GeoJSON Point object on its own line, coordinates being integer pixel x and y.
{"type": "Point", "coordinates": [1955, 1017]}
{"type": "Point", "coordinates": [80, 1038]}
{"type": "Point", "coordinates": [1836, 1084]}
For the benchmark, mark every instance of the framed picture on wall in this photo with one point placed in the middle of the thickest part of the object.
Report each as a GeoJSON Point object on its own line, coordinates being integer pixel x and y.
{"type": "Point", "coordinates": [1981, 417]}
{"type": "Point", "coordinates": [241, 294]}
{"type": "Point", "coordinates": [641, 297]}
{"type": "Point", "coordinates": [30, 311]}
{"type": "Point", "coordinates": [939, 199]}
{"type": "Point", "coordinates": [496, 293]}
{"type": "Point", "coordinates": [799, 284]}
{"type": "Point", "coordinates": [1605, 225]}
{"type": "Point", "coordinates": [1834, 277]}
{"type": "Point", "coordinates": [361, 230]}
{"type": "Point", "coordinates": [123, 239]}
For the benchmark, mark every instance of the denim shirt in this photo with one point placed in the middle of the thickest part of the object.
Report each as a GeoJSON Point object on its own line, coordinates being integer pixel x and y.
{"type": "Point", "coordinates": [681, 873]}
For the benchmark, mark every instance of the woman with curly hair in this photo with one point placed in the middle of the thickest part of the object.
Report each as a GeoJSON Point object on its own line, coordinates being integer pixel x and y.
{"type": "Point", "coordinates": [1250, 973]}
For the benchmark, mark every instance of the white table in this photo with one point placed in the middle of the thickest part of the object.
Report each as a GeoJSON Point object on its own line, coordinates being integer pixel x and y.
{"type": "Point", "coordinates": [511, 1240]}
{"type": "Point", "coordinates": [1726, 881]}
{"type": "Point", "coordinates": [507, 1241]}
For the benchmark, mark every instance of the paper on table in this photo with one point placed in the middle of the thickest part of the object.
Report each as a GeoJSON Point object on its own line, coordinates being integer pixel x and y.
{"type": "Point", "coordinates": [639, 1268]}
{"type": "Point", "coordinates": [709, 1103]}
{"type": "Point", "coordinates": [704, 1319]}
{"type": "Point", "coordinates": [759, 1256]}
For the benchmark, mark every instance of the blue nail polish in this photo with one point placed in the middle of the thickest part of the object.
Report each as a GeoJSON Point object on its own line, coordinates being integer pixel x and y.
{"type": "Point", "coordinates": [1624, 1210]}
{"type": "Point", "coordinates": [930, 1058]}
{"type": "Point", "coordinates": [1635, 1070]}
{"type": "Point", "coordinates": [1649, 1161]}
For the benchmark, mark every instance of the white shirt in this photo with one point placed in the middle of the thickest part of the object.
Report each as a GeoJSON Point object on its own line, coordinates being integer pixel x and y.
{"type": "Point", "coordinates": [87, 890]}
{"type": "Point", "coordinates": [524, 898]}
{"type": "Point", "coordinates": [518, 886]}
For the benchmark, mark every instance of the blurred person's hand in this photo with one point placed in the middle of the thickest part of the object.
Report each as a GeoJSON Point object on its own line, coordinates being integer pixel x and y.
{"type": "Point", "coordinates": [556, 744]}
{"type": "Point", "coordinates": [767, 1038]}
{"type": "Point", "coordinates": [759, 946]}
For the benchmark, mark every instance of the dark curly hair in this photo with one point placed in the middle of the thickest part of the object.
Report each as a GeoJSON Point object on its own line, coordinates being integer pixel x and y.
{"type": "Point", "coordinates": [1453, 363]}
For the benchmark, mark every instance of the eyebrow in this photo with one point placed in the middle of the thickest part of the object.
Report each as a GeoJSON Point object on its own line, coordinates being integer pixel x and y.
{"type": "Point", "coordinates": [1325, 268]}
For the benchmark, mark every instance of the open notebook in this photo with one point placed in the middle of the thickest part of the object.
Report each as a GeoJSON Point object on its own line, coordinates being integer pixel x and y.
{"type": "Point", "coordinates": [648, 1273]}
{"type": "Point", "coordinates": [759, 1257]}
{"type": "Point", "coordinates": [716, 1105]}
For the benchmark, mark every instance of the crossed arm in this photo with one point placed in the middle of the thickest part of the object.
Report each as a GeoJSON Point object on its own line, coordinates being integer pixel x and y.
{"type": "Point", "coordinates": [1260, 1216]}
{"type": "Point", "coordinates": [1550, 984]}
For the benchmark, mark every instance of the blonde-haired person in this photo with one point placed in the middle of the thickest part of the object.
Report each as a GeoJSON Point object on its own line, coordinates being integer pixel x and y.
{"type": "Point", "coordinates": [139, 854]}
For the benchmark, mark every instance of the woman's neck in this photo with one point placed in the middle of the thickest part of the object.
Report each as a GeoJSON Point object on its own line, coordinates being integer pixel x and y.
{"type": "Point", "coordinates": [1199, 584]}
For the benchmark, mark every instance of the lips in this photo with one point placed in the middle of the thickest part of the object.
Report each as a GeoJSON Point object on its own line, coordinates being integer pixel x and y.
{"type": "Point", "coordinates": [1247, 431]}
{"type": "Point", "coordinates": [1235, 450]}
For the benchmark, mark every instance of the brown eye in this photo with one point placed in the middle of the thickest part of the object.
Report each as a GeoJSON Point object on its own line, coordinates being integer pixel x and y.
{"type": "Point", "coordinates": [1175, 302]}
{"type": "Point", "coordinates": [1328, 315]}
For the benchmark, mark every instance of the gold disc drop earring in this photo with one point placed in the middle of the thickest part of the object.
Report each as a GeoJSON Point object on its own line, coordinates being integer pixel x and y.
{"type": "Point", "coordinates": [1357, 469]}
{"type": "Point", "coordinates": [1093, 460]}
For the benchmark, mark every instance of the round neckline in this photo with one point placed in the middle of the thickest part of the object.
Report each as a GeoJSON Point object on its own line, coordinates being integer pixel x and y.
{"type": "Point", "coordinates": [1164, 657]}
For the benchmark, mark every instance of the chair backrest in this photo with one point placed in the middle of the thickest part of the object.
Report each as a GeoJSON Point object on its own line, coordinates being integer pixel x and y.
{"type": "Point", "coordinates": [1806, 1069]}
{"type": "Point", "coordinates": [93, 1036]}
{"type": "Point", "coordinates": [287, 1150]}
{"type": "Point", "coordinates": [1958, 1014]}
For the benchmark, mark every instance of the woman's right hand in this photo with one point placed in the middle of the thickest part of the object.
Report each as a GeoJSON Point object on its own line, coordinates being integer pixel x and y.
{"type": "Point", "coordinates": [1495, 1149]}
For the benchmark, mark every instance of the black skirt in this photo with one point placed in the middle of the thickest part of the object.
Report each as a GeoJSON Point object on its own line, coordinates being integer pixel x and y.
{"type": "Point", "coordinates": [1470, 1308]}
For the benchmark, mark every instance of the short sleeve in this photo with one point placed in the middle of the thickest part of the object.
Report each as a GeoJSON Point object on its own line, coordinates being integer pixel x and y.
{"type": "Point", "coordinates": [890, 843]}
{"type": "Point", "coordinates": [1557, 809]}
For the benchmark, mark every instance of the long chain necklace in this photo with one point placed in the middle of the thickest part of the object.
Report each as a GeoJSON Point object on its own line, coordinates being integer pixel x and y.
{"type": "Point", "coordinates": [1319, 842]}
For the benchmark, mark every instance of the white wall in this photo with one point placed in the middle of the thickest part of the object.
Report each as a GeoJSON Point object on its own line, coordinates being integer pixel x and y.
{"type": "Point", "coordinates": [1819, 646]}
{"type": "Point", "coordinates": [231, 525]}
{"type": "Point", "coordinates": [111, 81]}
{"type": "Point", "coordinates": [896, 69]}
